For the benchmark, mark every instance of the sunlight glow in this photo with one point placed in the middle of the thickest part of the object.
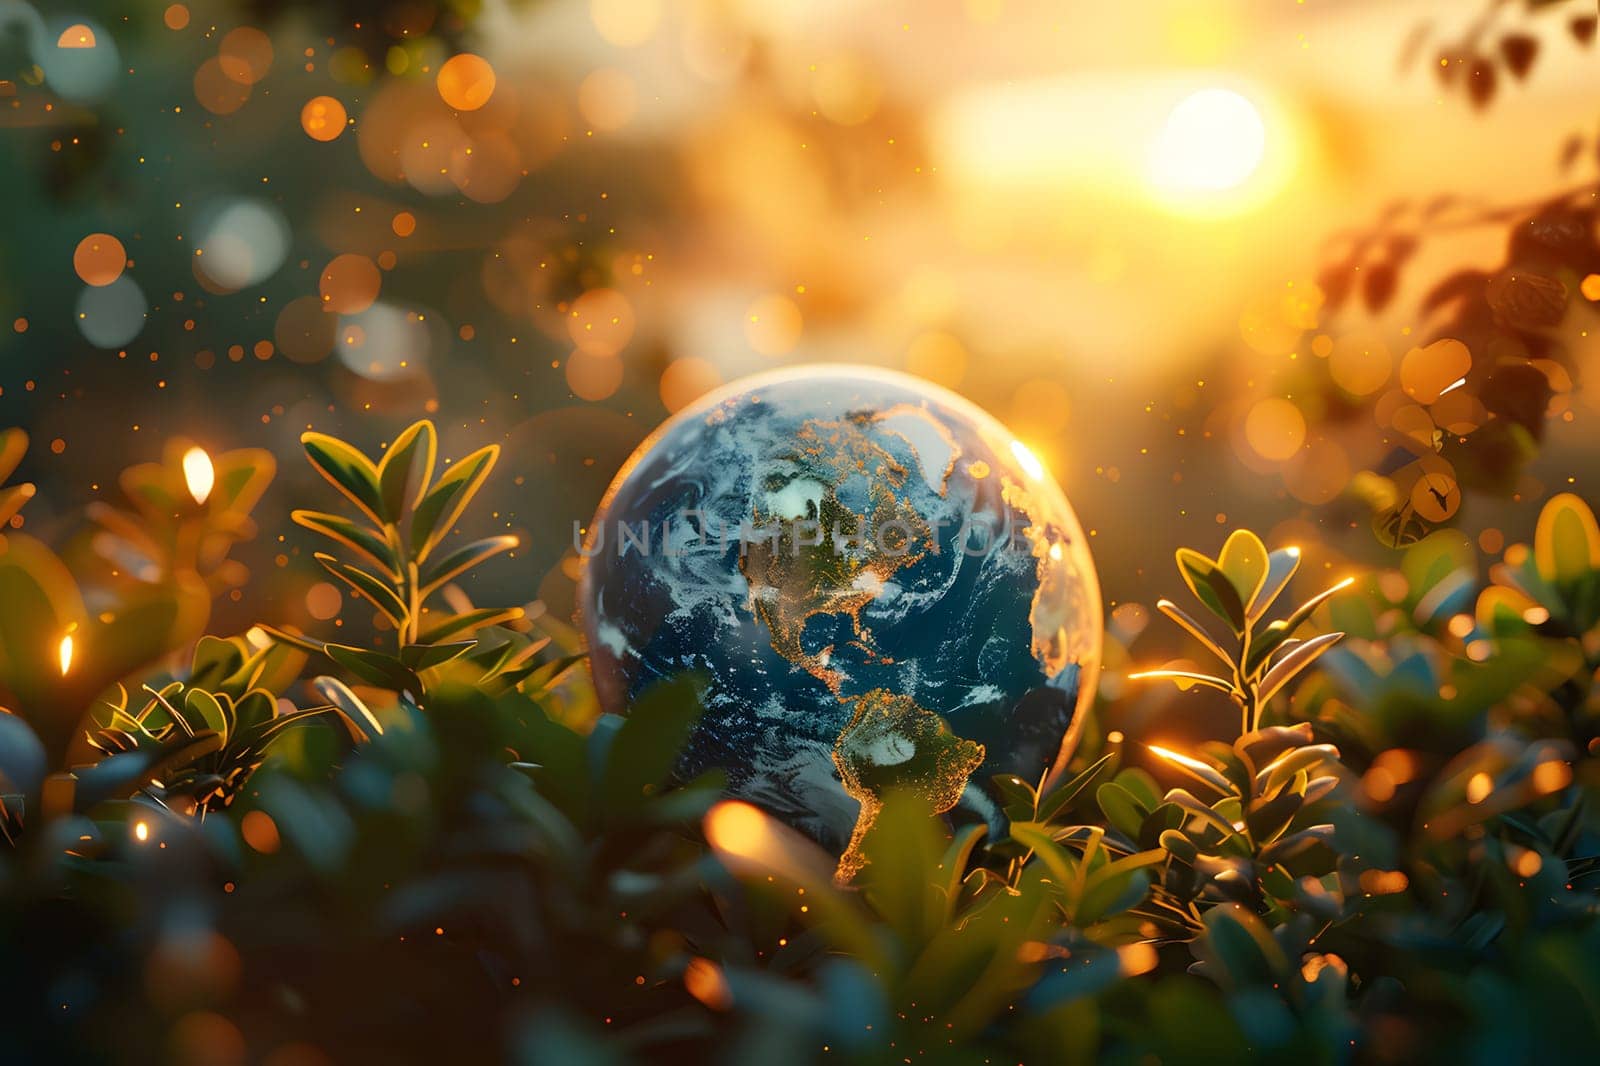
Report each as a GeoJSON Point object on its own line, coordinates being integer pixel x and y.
{"type": "Point", "coordinates": [1029, 461]}
{"type": "Point", "coordinates": [1213, 140]}
{"type": "Point", "coordinates": [1174, 757]}
{"type": "Point", "coordinates": [198, 473]}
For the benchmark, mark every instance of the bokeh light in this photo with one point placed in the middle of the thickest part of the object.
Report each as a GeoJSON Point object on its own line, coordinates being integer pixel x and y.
{"type": "Point", "coordinates": [110, 316]}
{"type": "Point", "coordinates": [601, 322]}
{"type": "Point", "coordinates": [99, 259]}
{"type": "Point", "coordinates": [593, 375]}
{"type": "Point", "coordinates": [216, 91]}
{"type": "Point", "coordinates": [84, 64]}
{"type": "Point", "coordinates": [1275, 428]}
{"type": "Point", "coordinates": [466, 81]}
{"type": "Point", "coordinates": [350, 283]}
{"type": "Point", "coordinates": [77, 35]}
{"type": "Point", "coordinates": [687, 379]}
{"type": "Point", "coordinates": [245, 55]}
{"type": "Point", "coordinates": [323, 118]}
{"type": "Point", "coordinates": [384, 342]}
{"type": "Point", "coordinates": [773, 325]}
{"type": "Point", "coordinates": [242, 243]}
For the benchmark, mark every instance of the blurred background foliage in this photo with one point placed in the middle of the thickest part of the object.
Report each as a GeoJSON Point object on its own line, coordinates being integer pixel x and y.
{"type": "Point", "coordinates": [375, 812]}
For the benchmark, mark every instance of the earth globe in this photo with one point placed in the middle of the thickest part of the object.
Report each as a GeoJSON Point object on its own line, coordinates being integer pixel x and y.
{"type": "Point", "coordinates": [881, 586]}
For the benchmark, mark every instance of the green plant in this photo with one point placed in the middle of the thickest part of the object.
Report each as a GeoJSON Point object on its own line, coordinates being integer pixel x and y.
{"type": "Point", "coordinates": [1239, 587]}
{"type": "Point", "coordinates": [195, 743]}
{"type": "Point", "coordinates": [151, 572]}
{"type": "Point", "coordinates": [406, 509]}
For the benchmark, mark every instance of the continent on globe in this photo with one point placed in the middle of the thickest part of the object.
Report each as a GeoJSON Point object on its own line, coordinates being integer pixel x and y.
{"type": "Point", "coordinates": [882, 585]}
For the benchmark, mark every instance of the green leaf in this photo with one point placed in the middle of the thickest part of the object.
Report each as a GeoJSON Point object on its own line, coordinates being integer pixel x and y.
{"type": "Point", "coordinates": [346, 470]}
{"type": "Point", "coordinates": [1281, 566]}
{"type": "Point", "coordinates": [1115, 887]}
{"type": "Point", "coordinates": [242, 477]}
{"type": "Point", "coordinates": [254, 709]}
{"type": "Point", "coordinates": [1121, 807]}
{"type": "Point", "coordinates": [647, 746]}
{"type": "Point", "coordinates": [1244, 563]}
{"type": "Point", "coordinates": [203, 706]}
{"type": "Point", "coordinates": [375, 667]}
{"type": "Point", "coordinates": [1434, 558]}
{"type": "Point", "coordinates": [954, 863]}
{"type": "Point", "coordinates": [1239, 949]}
{"type": "Point", "coordinates": [1285, 766]}
{"type": "Point", "coordinates": [1183, 679]}
{"type": "Point", "coordinates": [1016, 796]}
{"type": "Point", "coordinates": [1268, 641]}
{"type": "Point", "coordinates": [280, 724]}
{"type": "Point", "coordinates": [1066, 794]}
{"type": "Point", "coordinates": [394, 469]}
{"type": "Point", "coordinates": [122, 776]}
{"type": "Point", "coordinates": [467, 623]}
{"type": "Point", "coordinates": [436, 513]}
{"type": "Point", "coordinates": [292, 640]}
{"type": "Point", "coordinates": [421, 657]}
{"type": "Point", "coordinates": [1185, 799]}
{"type": "Point", "coordinates": [1296, 660]}
{"type": "Point", "coordinates": [1063, 866]}
{"type": "Point", "coordinates": [1267, 819]}
{"type": "Point", "coordinates": [215, 660]}
{"type": "Point", "coordinates": [1211, 587]}
{"type": "Point", "coordinates": [903, 849]}
{"type": "Point", "coordinates": [351, 534]}
{"type": "Point", "coordinates": [369, 587]}
{"type": "Point", "coordinates": [1195, 629]}
{"type": "Point", "coordinates": [1177, 844]}
{"type": "Point", "coordinates": [361, 722]}
{"type": "Point", "coordinates": [463, 559]}
{"type": "Point", "coordinates": [1566, 543]}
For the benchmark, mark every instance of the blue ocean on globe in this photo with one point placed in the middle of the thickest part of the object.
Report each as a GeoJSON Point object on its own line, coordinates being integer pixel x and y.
{"type": "Point", "coordinates": [881, 586]}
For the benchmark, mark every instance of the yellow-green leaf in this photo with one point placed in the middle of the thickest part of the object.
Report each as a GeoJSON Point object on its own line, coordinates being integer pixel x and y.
{"type": "Point", "coordinates": [1244, 562]}
{"type": "Point", "coordinates": [438, 511]}
{"type": "Point", "coordinates": [346, 470]}
{"type": "Point", "coordinates": [394, 471]}
{"type": "Point", "coordinates": [463, 559]}
{"type": "Point", "coordinates": [1211, 587]}
{"type": "Point", "coordinates": [371, 588]}
{"type": "Point", "coordinates": [1566, 543]}
{"type": "Point", "coordinates": [353, 535]}
{"type": "Point", "coordinates": [1281, 566]}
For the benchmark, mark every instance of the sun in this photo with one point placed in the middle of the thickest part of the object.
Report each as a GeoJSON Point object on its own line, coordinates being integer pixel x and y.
{"type": "Point", "coordinates": [1213, 141]}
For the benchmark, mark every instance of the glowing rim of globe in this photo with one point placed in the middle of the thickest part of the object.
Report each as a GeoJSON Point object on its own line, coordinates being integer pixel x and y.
{"type": "Point", "coordinates": [986, 423]}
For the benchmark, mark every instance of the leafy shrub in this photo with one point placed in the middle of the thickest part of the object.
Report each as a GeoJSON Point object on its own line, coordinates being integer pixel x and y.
{"type": "Point", "coordinates": [1393, 859]}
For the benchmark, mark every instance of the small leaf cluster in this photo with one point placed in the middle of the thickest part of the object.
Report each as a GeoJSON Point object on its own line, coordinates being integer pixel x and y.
{"type": "Point", "coordinates": [394, 558]}
{"type": "Point", "coordinates": [195, 742]}
{"type": "Point", "coordinates": [1239, 588]}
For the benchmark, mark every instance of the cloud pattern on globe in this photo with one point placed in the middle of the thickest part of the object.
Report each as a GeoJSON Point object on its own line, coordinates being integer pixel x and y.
{"type": "Point", "coordinates": [882, 587]}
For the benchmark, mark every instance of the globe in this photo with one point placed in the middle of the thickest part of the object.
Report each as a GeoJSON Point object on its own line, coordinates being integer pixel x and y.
{"type": "Point", "coordinates": [881, 587]}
